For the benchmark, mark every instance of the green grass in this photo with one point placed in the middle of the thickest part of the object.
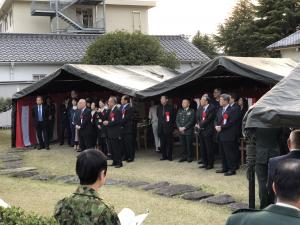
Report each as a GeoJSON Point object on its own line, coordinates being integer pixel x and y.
{"type": "Point", "coordinates": [41, 197]}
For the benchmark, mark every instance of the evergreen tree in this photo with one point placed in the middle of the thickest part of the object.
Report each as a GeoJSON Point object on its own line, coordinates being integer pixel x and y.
{"type": "Point", "coordinates": [206, 44]}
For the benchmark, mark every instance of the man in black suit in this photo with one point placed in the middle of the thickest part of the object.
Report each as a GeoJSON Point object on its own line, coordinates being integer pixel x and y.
{"type": "Point", "coordinates": [113, 125]}
{"type": "Point", "coordinates": [40, 115]}
{"type": "Point", "coordinates": [294, 147]}
{"type": "Point", "coordinates": [84, 125]}
{"type": "Point", "coordinates": [127, 128]}
{"type": "Point", "coordinates": [206, 115]}
{"type": "Point", "coordinates": [237, 123]}
{"type": "Point", "coordinates": [166, 118]}
{"type": "Point", "coordinates": [226, 135]}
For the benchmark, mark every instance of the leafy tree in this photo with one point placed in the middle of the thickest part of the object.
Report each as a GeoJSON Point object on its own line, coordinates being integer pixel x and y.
{"type": "Point", "coordinates": [235, 35]}
{"type": "Point", "coordinates": [123, 48]}
{"type": "Point", "coordinates": [251, 28]}
{"type": "Point", "coordinates": [206, 44]}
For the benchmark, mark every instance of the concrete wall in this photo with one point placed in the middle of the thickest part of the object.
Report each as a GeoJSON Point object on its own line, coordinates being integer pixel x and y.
{"type": "Point", "coordinates": [291, 53]}
{"type": "Point", "coordinates": [12, 78]}
{"type": "Point", "coordinates": [118, 17]}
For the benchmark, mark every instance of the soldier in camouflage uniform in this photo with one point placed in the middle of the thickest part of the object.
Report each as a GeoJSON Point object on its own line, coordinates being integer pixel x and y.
{"type": "Point", "coordinates": [85, 207]}
{"type": "Point", "coordinates": [185, 121]}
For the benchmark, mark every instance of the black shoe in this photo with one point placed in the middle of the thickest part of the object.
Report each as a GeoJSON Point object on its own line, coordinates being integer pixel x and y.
{"type": "Point", "coordinates": [182, 160]}
{"type": "Point", "coordinates": [61, 143]}
{"type": "Point", "coordinates": [47, 148]}
{"type": "Point", "coordinates": [202, 166]}
{"type": "Point", "coordinates": [170, 159]}
{"type": "Point", "coordinates": [200, 162]}
{"type": "Point", "coordinates": [130, 160]}
{"type": "Point", "coordinates": [163, 158]}
{"type": "Point", "coordinates": [230, 173]}
{"type": "Point", "coordinates": [189, 160]}
{"type": "Point", "coordinates": [221, 171]}
{"type": "Point", "coordinates": [119, 166]}
{"type": "Point", "coordinates": [209, 167]}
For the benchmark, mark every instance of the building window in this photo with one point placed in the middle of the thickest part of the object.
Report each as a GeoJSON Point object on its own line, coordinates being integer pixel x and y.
{"type": "Point", "coordinates": [37, 77]}
{"type": "Point", "coordinates": [136, 21]}
{"type": "Point", "coordinates": [85, 17]}
{"type": "Point", "coordinates": [5, 24]}
{"type": "Point", "coordinates": [10, 19]}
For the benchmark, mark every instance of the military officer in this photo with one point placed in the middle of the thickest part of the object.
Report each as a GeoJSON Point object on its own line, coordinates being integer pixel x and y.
{"type": "Point", "coordinates": [185, 121]}
{"type": "Point", "coordinates": [286, 186]}
{"type": "Point", "coordinates": [85, 205]}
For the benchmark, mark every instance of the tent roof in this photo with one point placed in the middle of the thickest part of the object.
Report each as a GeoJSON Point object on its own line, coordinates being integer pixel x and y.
{"type": "Point", "coordinates": [279, 107]}
{"type": "Point", "coordinates": [122, 79]}
{"type": "Point", "coordinates": [264, 70]}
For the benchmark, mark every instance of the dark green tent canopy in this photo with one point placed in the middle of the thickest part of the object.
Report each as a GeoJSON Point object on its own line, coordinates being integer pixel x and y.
{"type": "Point", "coordinates": [280, 107]}
{"type": "Point", "coordinates": [228, 72]}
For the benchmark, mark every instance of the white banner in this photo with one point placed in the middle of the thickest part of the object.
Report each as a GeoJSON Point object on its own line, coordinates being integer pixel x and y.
{"type": "Point", "coordinates": [25, 125]}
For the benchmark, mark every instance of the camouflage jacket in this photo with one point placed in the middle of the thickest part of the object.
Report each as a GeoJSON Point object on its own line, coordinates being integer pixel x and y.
{"type": "Point", "coordinates": [85, 207]}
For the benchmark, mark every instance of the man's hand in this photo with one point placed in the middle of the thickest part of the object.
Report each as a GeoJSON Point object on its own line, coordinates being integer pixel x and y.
{"type": "Point", "coordinates": [218, 128]}
{"type": "Point", "coordinates": [77, 127]}
{"type": "Point", "coordinates": [105, 123]}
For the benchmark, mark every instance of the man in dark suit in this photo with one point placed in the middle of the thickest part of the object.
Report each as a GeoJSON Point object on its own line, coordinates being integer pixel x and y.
{"type": "Point", "coordinates": [113, 125]}
{"type": "Point", "coordinates": [294, 147]}
{"type": "Point", "coordinates": [85, 126]}
{"type": "Point", "coordinates": [185, 121]}
{"type": "Point", "coordinates": [286, 211]}
{"type": "Point", "coordinates": [64, 121]}
{"type": "Point", "coordinates": [166, 118]}
{"type": "Point", "coordinates": [236, 110]}
{"type": "Point", "coordinates": [127, 128]}
{"type": "Point", "coordinates": [40, 115]}
{"type": "Point", "coordinates": [226, 136]}
{"type": "Point", "coordinates": [206, 115]}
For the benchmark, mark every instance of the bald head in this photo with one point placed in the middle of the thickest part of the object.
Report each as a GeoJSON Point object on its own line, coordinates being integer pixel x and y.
{"type": "Point", "coordinates": [294, 140]}
{"type": "Point", "coordinates": [81, 104]}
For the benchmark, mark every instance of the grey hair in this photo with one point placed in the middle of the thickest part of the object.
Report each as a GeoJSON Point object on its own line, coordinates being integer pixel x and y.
{"type": "Point", "coordinates": [206, 97]}
{"type": "Point", "coordinates": [114, 98]}
{"type": "Point", "coordinates": [226, 97]}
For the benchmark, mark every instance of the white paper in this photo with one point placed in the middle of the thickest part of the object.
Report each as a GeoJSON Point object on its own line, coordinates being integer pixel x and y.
{"type": "Point", "coordinates": [4, 204]}
{"type": "Point", "coordinates": [128, 217]}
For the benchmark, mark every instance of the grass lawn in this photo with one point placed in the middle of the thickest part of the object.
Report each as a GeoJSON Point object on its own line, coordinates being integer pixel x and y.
{"type": "Point", "coordinates": [41, 197]}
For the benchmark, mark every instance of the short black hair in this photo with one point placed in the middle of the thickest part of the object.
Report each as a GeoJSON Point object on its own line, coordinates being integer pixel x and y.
{"type": "Point", "coordinates": [39, 96]}
{"type": "Point", "coordinates": [166, 97]}
{"type": "Point", "coordinates": [234, 96]}
{"type": "Point", "coordinates": [295, 138]}
{"type": "Point", "coordinates": [126, 98]}
{"type": "Point", "coordinates": [287, 180]}
{"type": "Point", "coordinates": [90, 163]}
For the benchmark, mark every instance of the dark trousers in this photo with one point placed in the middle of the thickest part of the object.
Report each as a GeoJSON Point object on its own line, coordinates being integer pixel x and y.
{"type": "Point", "coordinates": [42, 134]}
{"type": "Point", "coordinates": [85, 141]}
{"type": "Point", "coordinates": [102, 142]}
{"type": "Point", "coordinates": [127, 145]}
{"type": "Point", "coordinates": [228, 153]}
{"type": "Point", "coordinates": [186, 143]}
{"type": "Point", "coordinates": [207, 150]}
{"type": "Point", "coordinates": [262, 178]}
{"type": "Point", "coordinates": [166, 145]}
{"type": "Point", "coordinates": [73, 132]}
{"type": "Point", "coordinates": [65, 126]}
{"type": "Point", "coordinates": [50, 129]}
{"type": "Point", "coordinates": [116, 150]}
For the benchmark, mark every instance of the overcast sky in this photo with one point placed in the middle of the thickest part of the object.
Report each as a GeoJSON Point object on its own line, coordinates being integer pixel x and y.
{"type": "Point", "coordinates": [188, 16]}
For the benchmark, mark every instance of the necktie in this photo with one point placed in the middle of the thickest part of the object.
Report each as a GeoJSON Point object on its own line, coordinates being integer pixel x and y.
{"type": "Point", "coordinates": [223, 111]}
{"type": "Point", "coordinates": [40, 113]}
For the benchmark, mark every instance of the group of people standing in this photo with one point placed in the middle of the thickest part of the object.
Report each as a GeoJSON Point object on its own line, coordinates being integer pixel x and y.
{"type": "Point", "coordinates": [104, 125]}
{"type": "Point", "coordinates": [217, 121]}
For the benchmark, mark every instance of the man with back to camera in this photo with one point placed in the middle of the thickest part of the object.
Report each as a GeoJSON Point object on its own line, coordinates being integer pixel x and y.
{"type": "Point", "coordinates": [286, 211]}
{"type": "Point", "coordinates": [40, 115]}
{"type": "Point", "coordinates": [294, 147]}
{"type": "Point", "coordinates": [85, 205]}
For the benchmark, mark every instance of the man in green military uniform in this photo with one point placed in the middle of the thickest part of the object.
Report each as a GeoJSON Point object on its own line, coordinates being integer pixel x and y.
{"type": "Point", "coordinates": [286, 211]}
{"type": "Point", "coordinates": [185, 121]}
{"type": "Point", "coordinates": [85, 207]}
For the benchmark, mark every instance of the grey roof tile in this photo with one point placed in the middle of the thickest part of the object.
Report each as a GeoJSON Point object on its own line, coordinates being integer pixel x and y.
{"type": "Point", "coordinates": [289, 41]}
{"type": "Point", "coordinates": [70, 48]}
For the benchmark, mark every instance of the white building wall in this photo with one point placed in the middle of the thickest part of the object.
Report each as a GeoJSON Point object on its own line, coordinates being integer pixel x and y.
{"type": "Point", "coordinates": [25, 72]}
{"type": "Point", "coordinates": [185, 66]}
{"type": "Point", "coordinates": [292, 53]}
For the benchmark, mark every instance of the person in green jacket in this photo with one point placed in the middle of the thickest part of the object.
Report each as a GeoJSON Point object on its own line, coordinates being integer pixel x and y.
{"type": "Point", "coordinates": [84, 206]}
{"type": "Point", "coordinates": [286, 211]}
